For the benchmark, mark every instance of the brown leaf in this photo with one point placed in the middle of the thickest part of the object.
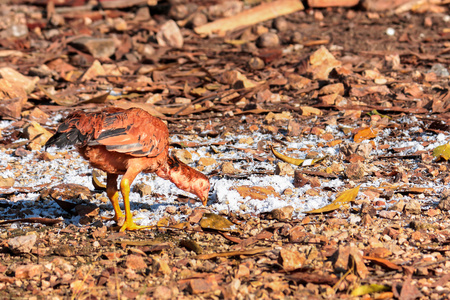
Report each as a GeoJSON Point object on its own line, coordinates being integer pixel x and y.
{"type": "Point", "coordinates": [383, 262]}
{"type": "Point", "coordinates": [256, 192]}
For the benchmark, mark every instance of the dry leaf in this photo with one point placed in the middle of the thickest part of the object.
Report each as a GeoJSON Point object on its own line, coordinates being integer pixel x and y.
{"type": "Point", "coordinates": [365, 134]}
{"type": "Point", "coordinates": [296, 161]}
{"type": "Point", "coordinates": [216, 222]}
{"type": "Point", "coordinates": [442, 151]}
{"type": "Point", "coordinates": [383, 262]}
{"type": "Point", "coordinates": [369, 289]}
{"type": "Point", "coordinates": [345, 197]}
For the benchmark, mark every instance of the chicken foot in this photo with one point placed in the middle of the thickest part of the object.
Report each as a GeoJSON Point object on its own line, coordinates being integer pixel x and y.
{"type": "Point", "coordinates": [125, 184]}
{"type": "Point", "coordinates": [113, 195]}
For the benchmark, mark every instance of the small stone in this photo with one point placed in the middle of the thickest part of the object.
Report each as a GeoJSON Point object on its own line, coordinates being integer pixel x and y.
{"type": "Point", "coordinates": [337, 88]}
{"type": "Point", "coordinates": [169, 35]}
{"type": "Point", "coordinates": [147, 51]}
{"type": "Point", "coordinates": [57, 20]}
{"type": "Point", "coordinates": [179, 12]}
{"type": "Point", "coordinates": [388, 214]}
{"type": "Point", "coordinates": [171, 210]}
{"type": "Point", "coordinates": [21, 152]}
{"type": "Point", "coordinates": [163, 293]}
{"type": "Point", "coordinates": [268, 40]}
{"type": "Point", "coordinates": [355, 171]}
{"type": "Point", "coordinates": [28, 271]}
{"type": "Point", "coordinates": [64, 250]}
{"type": "Point", "coordinates": [160, 266]}
{"type": "Point", "coordinates": [12, 99]}
{"type": "Point", "coordinates": [242, 272]}
{"type": "Point", "coordinates": [135, 262]}
{"type": "Point", "coordinates": [280, 24]}
{"type": "Point", "coordinates": [228, 168]}
{"type": "Point", "coordinates": [45, 156]}
{"type": "Point", "coordinates": [206, 161]}
{"type": "Point", "coordinates": [17, 30]}
{"type": "Point", "coordinates": [22, 244]}
{"type": "Point", "coordinates": [413, 207]}
{"type": "Point", "coordinates": [198, 19]}
{"type": "Point", "coordinates": [291, 259]}
{"type": "Point", "coordinates": [120, 24]}
{"type": "Point", "coordinates": [184, 156]}
{"type": "Point", "coordinates": [7, 181]}
{"type": "Point", "coordinates": [284, 169]}
{"type": "Point", "coordinates": [142, 189]}
{"type": "Point", "coordinates": [282, 214]}
{"type": "Point", "coordinates": [444, 204]}
{"type": "Point", "coordinates": [321, 63]}
{"type": "Point", "coordinates": [399, 206]}
{"type": "Point", "coordinates": [310, 111]}
{"type": "Point", "coordinates": [201, 286]}
{"type": "Point", "coordinates": [439, 70]}
{"type": "Point", "coordinates": [97, 47]}
{"type": "Point", "coordinates": [285, 115]}
{"type": "Point", "coordinates": [256, 63]}
{"type": "Point", "coordinates": [297, 234]}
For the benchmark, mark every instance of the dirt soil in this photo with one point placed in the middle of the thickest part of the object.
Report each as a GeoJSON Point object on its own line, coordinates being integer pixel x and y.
{"type": "Point", "coordinates": [366, 91]}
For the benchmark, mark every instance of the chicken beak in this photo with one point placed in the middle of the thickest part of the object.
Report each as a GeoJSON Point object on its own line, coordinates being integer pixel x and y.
{"type": "Point", "coordinates": [205, 201]}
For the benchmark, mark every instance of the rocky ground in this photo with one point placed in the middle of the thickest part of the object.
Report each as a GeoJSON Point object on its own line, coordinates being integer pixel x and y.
{"type": "Point", "coordinates": [323, 131]}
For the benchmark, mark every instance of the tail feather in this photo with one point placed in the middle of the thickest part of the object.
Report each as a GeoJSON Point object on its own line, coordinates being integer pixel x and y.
{"type": "Point", "coordinates": [68, 133]}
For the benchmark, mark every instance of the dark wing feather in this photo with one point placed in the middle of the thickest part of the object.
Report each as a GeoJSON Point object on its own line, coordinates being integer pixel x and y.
{"type": "Point", "coordinates": [133, 132]}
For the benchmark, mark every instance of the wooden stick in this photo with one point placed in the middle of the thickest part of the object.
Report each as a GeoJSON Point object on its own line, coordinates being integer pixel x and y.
{"type": "Point", "coordinates": [260, 13]}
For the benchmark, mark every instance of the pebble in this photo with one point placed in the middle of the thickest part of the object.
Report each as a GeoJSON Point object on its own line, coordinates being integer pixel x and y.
{"type": "Point", "coordinates": [169, 35]}
{"type": "Point", "coordinates": [22, 244]}
{"type": "Point", "coordinates": [268, 40]}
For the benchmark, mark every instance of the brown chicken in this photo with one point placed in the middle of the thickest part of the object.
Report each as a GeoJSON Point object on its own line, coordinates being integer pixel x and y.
{"type": "Point", "coordinates": [127, 142]}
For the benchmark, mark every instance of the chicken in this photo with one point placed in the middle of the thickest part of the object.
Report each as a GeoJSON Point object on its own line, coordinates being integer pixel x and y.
{"type": "Point", "coordinates": [127, 142]}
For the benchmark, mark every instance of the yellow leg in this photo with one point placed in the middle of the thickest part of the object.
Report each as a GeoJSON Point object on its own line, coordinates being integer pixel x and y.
{"type": "Point", "coordinates": [113, 195]}
{"type": "Point", "coordinates": [125, 189]}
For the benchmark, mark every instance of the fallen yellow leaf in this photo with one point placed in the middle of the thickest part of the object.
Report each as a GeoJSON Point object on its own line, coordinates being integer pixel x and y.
{"type": "Point", "coordinates": [296, 161]}
{"type": "Point", "coordinates": [345, 197]}
{"type": "Point", "coordinates": [442, 151]}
